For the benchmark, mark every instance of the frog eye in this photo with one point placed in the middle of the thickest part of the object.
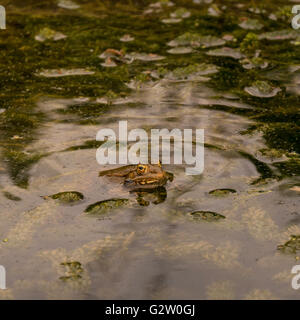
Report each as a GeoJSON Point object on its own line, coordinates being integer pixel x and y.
{"type": "Point", "coordinates": [141, 168]}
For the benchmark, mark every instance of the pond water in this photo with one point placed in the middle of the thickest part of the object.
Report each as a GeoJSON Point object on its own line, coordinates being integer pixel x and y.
{"type": "Point", "coordinates": [231, 68]}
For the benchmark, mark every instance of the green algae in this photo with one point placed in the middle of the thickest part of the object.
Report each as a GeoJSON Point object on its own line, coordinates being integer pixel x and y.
{"type": "Point", "coordinates": [49, 34]}
{"type": "Point", "coordinates": [262, 89]}
{"type": "Point", "coordinates": [181, 13]}
{"type": "Point", "coordinates": [226, 52]}
{"type": "Point", "coordinates": [105, 206]}
{"type": "Point", "coordinates": [67, 196]}
{"type": "Point", "coordinates": [84, 111]}
{"type": "Point", "coordinates": [221, 192]}
{"type": "Point", "coordinates": [251, 24]}
{"type": "Point", "coordinates": [250, 43]}
{"type": "Point", "coordinates": [284, 13]}
{"type": "Point", "coordinates": [286, 34]}
{"type": "Point", "coordinates": [208, 216]}
{"type": "Point", "coordinates": [255, 62]}
{"type": "Point", "coordinates": [196, 40]}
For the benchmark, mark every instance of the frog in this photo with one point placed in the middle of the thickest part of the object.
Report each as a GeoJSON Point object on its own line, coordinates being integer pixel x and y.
{"type": "Point", "coordinates": [142, 179]}
{"type": "Point", "coordinates": [143, 176]}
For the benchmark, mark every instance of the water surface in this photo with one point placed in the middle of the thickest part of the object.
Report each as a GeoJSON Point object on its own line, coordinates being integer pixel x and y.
{"type": "Point", "coordinates": [57, 91]}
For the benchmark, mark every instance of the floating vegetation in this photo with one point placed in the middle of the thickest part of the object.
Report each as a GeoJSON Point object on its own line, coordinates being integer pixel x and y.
{"type": "Point", "coordinates": [262, 89]}
{"type": "Point", "coordinates": [68, 4]}
{"type": "Point", "coordinates": [127, 38]}
{"type": "Point", "coordinates": [49, 34]}
{"type": "Point", "coordinates": [250, 24]}
{"type": "Point", "coordinates": [229, 38]}
{"type": "Point", "coordinates": [286, 34]}
{"type": "Point", "coordinates": [196, 40]}
{"type": "Point", "coordinates": [214, 11]}
{"type": "Point", "coordinates": [105, 206]}
{"type": "Point", "coordinates": [180, 50]}
{"type": "Point", "coordinates": [66, 197]}
{"type": "Point", "coordinates": [111, 53]}
{"type": "Point", "coordinates": [254, 63]}
{"type": "Point", "coordinates": [258, 191]}
{"type": "Point", "coordinates": [109, 63]}
{"type": "Point", "coordinates": [171, 20]}
{"type": "Point", "coordinates": [180, 13]}
{"type": "Point", "coordinates": [161, 4]}
{"type": "Point", "coordinates": [54, 73]}
{"type": "Point", "coordinates": [208, 216]}
{"type": "Point", "coordinates": [226, 52]}
{"type": "Point", "coordinates": [113, 56]}
{"type": "Point", "coordinates": [210, 41]}
{"type": "Point", "coordinates": [144, 56]}
{"type": "Point", "coordinates": [221, 192]}
{"type": "Point", "coordinates": [291, 246]}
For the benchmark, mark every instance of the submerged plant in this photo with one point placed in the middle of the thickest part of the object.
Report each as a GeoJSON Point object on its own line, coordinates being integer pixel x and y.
{"type": "Point", "coordinates": [208, 216]}
{"type": "Point", "coordinates": [67, 196]}
{"type": "Point", "coordinates": [105, 206]}
{"type": "Point", "coordinates": [221, 192]}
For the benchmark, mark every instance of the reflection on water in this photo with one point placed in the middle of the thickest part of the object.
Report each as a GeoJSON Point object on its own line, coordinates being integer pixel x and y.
{"type": "Point", "coordinates": [66, 232]}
